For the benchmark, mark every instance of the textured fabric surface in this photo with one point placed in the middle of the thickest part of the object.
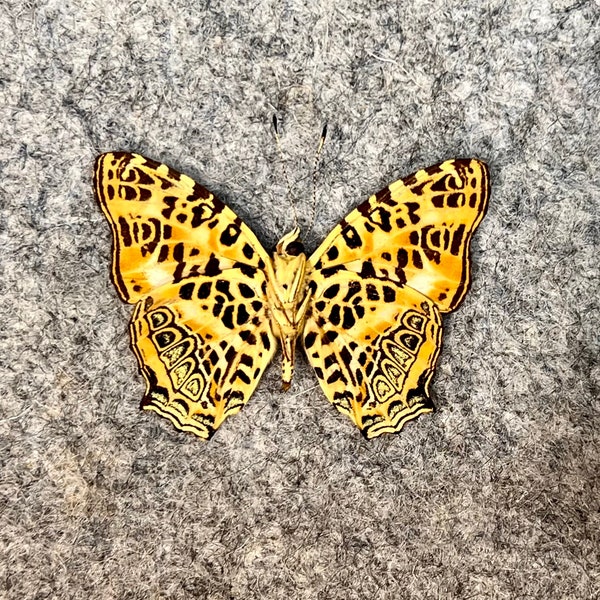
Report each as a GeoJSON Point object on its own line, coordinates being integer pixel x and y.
{"type": "Point", "coordinates": [496, 495]}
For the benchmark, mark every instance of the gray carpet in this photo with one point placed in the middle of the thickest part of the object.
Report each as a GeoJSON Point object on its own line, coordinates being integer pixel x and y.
{"type": "Point", "coordinates": [496, 495]}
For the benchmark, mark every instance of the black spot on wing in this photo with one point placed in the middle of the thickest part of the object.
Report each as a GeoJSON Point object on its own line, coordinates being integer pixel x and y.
{"type": "Point", "coordinates": [349, 319]}
{"type": "Point", "coordinates": [247, 270]}
{"type": "Point", "coordinates": [239, 374]}
{"type": "Point", "coordinates": [336, 376]}
{"type": "Point", "coordinates": [230, 235]}
{"type": "Point", "coordinates": [346, 356]}
{"type": "Point", "coordinates": [170, 201]}
{"type": "Point", "coordinates": [372, 293]}
{"type": "Point", "coordinates": [332, 253]}
{"type": "Point", "coordinates": [266, 342]}
{"type": "Point", "coordinates": [442, 184]}
{"type": "Point", "coordinates": [351, 237]}
{"type": "Point", "coordinates": [367, 271]}
{"type": "Point", "coordinates": [402, 258]}
{"type": "Point", "coordinates": [329, 336]}
{"type": "Point", "coordinates": [178, 252]}
{"type": "Point", "coordinates": [328, 272]}
{"type": "Point", "coordinates": [204, 290]}
{"type": "Point", "coordinates": [384, 196]}
{"type": "Point", "coordinates": [353, 288]}
{"type": "Point", "coordinates": [125, 232]}
{"type": "Point", "coordinates": [381, 217]}
{"type": "Point", "coordinates": [163, 253]}
{"type": "Point", "coordinates": [186, 291]}
{"type": "Point", "coordinates": [332, 291]}
{"type": "Point", "coordinates": [246, 291]}
{"type": "Point", "coordinates": [223, 287]}
{"type": "Point", "coordinates": [309, 339]}
{"type": "Point", "coordinates": [248, 337]}
{"type": "Point", "coordinates": [389, 294]}
{"type": "Point", "coordinates": [416, 259]}
{"type": "Point", "coordinates": [242, 315]}
{"type": "Point", "coordinates": [329, 360]}
{"type": "Point", "coordinates": [212, 266]}
{"type": "Point", "coordinates": [457, 239]}
{"type": "Point", "coordinates": [200, 192]}
{"type": "Point", "coordinates": [412, 208]}
{"type": "Point", "coordinates": [334, 315]}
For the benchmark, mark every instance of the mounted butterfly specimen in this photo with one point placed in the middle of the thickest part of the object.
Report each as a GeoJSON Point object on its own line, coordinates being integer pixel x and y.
{"type": "Point", "coordinates": [211, 305]}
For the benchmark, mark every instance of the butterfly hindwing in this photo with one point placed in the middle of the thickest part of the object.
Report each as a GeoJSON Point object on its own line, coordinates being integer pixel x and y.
{"type": "Point", "coordinates": [416, 231]}
{"type": "Point", "coordinates": [197, 273]}
{"type": "Point", "coordinates": [380, 281]}
{"type": "Point", "coordinates": [202, 358]}
{"type": "Point", "coordinates": [373, 344]}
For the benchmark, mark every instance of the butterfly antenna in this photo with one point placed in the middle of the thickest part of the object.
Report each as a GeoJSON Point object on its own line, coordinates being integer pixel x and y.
{"type": "Point", "coordinates": [285, 173]}
{"type": "Point", "coordinates": [314, 177]}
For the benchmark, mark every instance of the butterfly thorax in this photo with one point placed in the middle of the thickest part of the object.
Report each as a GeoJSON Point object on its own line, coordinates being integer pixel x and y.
{"type": "Point", "coordinates": [288, 297]}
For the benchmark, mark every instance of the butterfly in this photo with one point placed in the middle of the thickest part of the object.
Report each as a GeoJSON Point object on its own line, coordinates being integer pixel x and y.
{"type": "Point", "coordinates": [212, 306]}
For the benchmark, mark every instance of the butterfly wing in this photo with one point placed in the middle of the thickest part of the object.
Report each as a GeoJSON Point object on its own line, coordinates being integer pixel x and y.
{"type": "Point", "coordinates": [373, 345]}
{"type": "Point", "coordinates": [380, 281]}
{"type": "Point", "coordinates": [166, 227]}
{"type": "Point", "coordinates": [417, 231]}
{"type": "Point", "coordinates": [197, 273]}
{"type": "Point", "coordinates": [202, 346]}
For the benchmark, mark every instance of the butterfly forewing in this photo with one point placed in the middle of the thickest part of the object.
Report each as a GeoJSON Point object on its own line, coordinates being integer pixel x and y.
{"type": "Point", "coordinates": [166, 227]}
{"type": "Point", "coordinates": [417, 231]}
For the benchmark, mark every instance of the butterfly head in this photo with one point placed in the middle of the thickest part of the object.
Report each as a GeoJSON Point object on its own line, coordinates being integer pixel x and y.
{"type": "Point", "coordinates": [289, 245]}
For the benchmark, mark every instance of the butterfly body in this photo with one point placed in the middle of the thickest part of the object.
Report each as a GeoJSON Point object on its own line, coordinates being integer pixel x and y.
{"type": "Point", "coordinates": [288, 295]}
{"type": "Point", "coordinates": [212, 305]}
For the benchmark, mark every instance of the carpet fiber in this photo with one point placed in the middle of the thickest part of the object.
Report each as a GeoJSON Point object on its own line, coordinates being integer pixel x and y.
{"type": "Point", "coordinates": [496, 495]}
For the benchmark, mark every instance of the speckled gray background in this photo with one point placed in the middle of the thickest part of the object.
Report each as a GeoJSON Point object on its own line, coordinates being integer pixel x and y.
{"type": "Point", "coordinates": [494, 496]}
